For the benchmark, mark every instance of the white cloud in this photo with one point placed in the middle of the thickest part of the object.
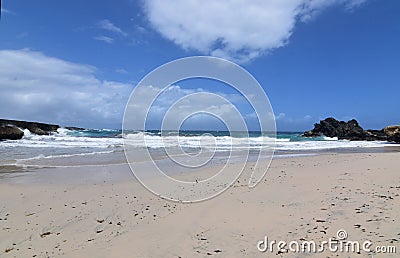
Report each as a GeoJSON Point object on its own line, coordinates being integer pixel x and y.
{"type": "Point", "coordinates": [105, 39]}
{"type": "Point", "coordinates": [37, 87]}
{"type": "Point", "coordinates": [313, 7]}
{"type": "Point", "coordinates": [182, 102]}
{"type": "Point", "coordinates": [280, 116]}
{"type": "Point", "coordinates": [140, 29]}
{"type": "Point", "coordinates": [109, 26]}
{"type": "Point", "coordinates": [235, 29]}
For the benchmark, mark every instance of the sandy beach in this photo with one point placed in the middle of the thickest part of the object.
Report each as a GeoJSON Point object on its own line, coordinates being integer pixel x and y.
{"type": "Point", "coordinates": [300, 199]}
{"type": "Point", "coordinates": [152, 129]}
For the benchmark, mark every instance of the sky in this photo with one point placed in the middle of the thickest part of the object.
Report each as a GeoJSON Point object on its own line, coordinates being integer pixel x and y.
{"type": "Point", "coordinates": [75, 63]}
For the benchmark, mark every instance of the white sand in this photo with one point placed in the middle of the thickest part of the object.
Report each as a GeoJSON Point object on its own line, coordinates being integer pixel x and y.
{"type": "Point", "coordinates": [307, 198]}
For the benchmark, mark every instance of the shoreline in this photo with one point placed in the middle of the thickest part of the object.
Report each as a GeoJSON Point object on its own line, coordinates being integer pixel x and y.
{"type": "Point", "coordinates": [113, 167]}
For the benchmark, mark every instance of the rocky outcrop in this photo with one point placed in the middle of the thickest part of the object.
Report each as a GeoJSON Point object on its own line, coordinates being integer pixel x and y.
{"type": "Point", "coordinates": [331, 127]}
{"type": "Point", "coordinates": [393, 133]}
{"type": "Point", "coordinates": [375, 135]}
{"type": "Point", "coordinates": [11, 129]}
{"type": "Point", "coordinates": [351, 130]}
{"type": "Point", "coordinates": [10, 133]}
{"type": "Point", "coordinates": [33, 127]}
{"type": "Point", "coordinates": [73, 128]}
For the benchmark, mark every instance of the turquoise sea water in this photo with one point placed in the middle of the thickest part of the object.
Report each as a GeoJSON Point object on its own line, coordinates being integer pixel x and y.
{"type": "Point", "coordinates": [84, 146]}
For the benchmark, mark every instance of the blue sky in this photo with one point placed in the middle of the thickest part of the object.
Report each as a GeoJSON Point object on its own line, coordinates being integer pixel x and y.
{"type": "Point", "coordinates": [76, 62]}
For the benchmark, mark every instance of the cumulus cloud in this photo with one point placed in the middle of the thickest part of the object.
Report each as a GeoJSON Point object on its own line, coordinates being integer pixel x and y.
{"type": "Point", "coordinates": [235, 29]}
{"type": "Point", "coordinates": [37, 87]}
{"type": "Point", "coordinates": [180, 102]}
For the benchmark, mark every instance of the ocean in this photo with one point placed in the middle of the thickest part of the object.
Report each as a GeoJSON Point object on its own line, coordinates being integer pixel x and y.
{"type": "Point", "coordinates": [96, 147]}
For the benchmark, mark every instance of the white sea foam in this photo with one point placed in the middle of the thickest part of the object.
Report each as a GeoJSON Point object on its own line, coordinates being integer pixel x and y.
{"type": "Point", "coordinates": [326, 138]}
{"type": "Point", "coordinates": [206, 141]}
{"type": "Point", "coordinates": [63, 131]}
{"type": "Point", "coordinates": [329, 144]}
{"type": "Point", "coordinates": [62, 140]}
{"type": "Point", "coordinates": [66, 139]}
{"type": "Point", "coordinates": [227, 142]}
{"type": "Point", "coordinates": [42, 156]}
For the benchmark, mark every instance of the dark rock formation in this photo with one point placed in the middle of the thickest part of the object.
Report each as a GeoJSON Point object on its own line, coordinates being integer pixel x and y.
{"type": "Point", "coordinates": [393, 133]}
{"type": "Point", "coordinates": [33, 127]}
{"type": "Point", "coordinates": [351, 130]}
{"type": "Point", "coordinates": [10, 133]}
{"type": "Point", "coordinates": [375, 135]}
{"type": "Point", "coordinates": [331, 127]}
{"type": "Point", "coordinates": [72, 128]}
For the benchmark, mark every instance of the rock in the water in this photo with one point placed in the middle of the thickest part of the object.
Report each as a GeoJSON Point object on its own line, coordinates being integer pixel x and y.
{"type": "Point", "coordinates": [73, 128]}
{"type": "Point", "coordinates": [10, 133]}
{"type": "Point", "coordinates": [33, 127]}
{"type": "Point", "coordinates": [393, 133]}
{"type": "Point", "coordinates": [331, 127]}
{"type": "Point", "coordinates": [351, 130]}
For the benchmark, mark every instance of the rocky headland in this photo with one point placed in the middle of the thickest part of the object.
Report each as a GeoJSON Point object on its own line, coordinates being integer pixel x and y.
{"type": "Point", "coordinates": [352, 131]}
{"type": "Point", "coordinates": [13, 129]}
